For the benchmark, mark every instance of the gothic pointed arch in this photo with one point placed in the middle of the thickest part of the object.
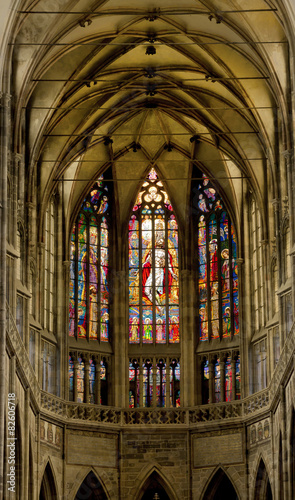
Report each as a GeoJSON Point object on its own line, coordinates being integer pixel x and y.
{"type": "Point", "coordinates": [48, 489]}
{"type": "Point", "coordinates": [89, 267]}
{"type": "Point", "coordinates": [154, 314]}
{"type": "Point", "coordinates": [91, 488]}
{"type": "Point", "coordinates": [153, 267]}
{"type": "Point", "coordinates": [262, 484]}
{"type": "Point", "coordinates": [220, 487]}
{"type": "Point", "coordinates": [216, 263]}
{"type": "Point", "coordinates": [155, 486]}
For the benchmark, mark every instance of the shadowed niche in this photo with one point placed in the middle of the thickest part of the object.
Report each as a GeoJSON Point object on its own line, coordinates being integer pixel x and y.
{"type": "Point", "coordinates": [91, 489]}
{"type": "Point", "coordinates": [154, 488]}
{"type": "Point", "coordinates": [48, 490]}
{"type": "Point", "coordinates": [220, 488]}
{"type": "Point", "coordinates": [262, 486]}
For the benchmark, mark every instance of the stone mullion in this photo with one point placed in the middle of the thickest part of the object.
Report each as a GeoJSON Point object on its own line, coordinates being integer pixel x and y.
{"type": "Point", "coordinates": [242, 333]}
{"type": "Point", "coordinates": [187, 338]}
{"type": "Point", "coordinates": [222, 380]}
{"type": "Point", "coordinates": [141, 382]}
{"type": "Point", "coordinates": [291, 186]}
{"type": "Point", "coordinates": [154, 368]}
{"type": "Point", "coordinates": [97, 380]}
{"type": "Point", "coordinates": [65, 343]}
{"type": "Point", "coordinates": [75, 385]}
{"type": "Point", "coordinates": [167, 399]}
{"type": "Point", "coordinates": [211, 381]}
{"type": "Point", "coordinates": [86, 377]}
{"type": "Point", "coordinates": [233, 374]}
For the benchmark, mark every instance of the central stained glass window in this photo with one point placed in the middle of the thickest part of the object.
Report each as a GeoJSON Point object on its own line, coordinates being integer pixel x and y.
{"type": "Point", "coordinates": [89, 290]}
{"type": "Point", "coordinates": [153, 267]}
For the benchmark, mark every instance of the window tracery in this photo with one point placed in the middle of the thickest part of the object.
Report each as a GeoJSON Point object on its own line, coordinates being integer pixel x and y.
{"type": "Point", "coordinates": [217, 266]}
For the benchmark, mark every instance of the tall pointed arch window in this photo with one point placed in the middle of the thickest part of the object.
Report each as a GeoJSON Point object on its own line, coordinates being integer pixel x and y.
{"type": "Point", "coordinates": [89, 289]}
{"type": "Point", "coordinates": [153, 267]}
{"type": "Point", "coordinates": [217, 265]}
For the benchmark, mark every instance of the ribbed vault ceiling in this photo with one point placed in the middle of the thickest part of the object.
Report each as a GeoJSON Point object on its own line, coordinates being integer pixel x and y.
{"type": "Point", "coordinates": [139, 83]}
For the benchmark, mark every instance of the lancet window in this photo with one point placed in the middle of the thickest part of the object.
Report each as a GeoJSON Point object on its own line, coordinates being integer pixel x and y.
{"type": "Point", "coordinates": [88, 378]}
{"type": "Point", "coordinates": [217, 276]}
{"type": "Point", "coordinates": [221, 378]}
{"type": "Point", "coordinates": [153, 267]}
{"type": "Point", "coordinates": [154, 382]}
{"type": "Point", "coordinates": [89, 289]}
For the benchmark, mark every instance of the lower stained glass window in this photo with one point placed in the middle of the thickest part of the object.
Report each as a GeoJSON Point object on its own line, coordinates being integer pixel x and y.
{"type": "Point", "coordinates": [155, 380]}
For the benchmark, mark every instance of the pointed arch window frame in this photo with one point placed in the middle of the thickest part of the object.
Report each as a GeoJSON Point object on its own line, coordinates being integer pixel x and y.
{"type": "Point", "coordinates": [153, 204]}
{"type": "Point", "coordinates": [210, 214]}
{"type": "Point", "coordinates": [95, 210]}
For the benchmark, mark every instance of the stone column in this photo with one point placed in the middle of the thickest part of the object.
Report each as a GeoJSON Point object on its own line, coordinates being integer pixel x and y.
{"type": "Point", "coordinates": [140, 382]}
{"type": "Point", "coordinates": [233, 372]}
{"type": "Point", "coordinates": [86, 377]}
{"type": "Point", "coordinates": [26, 440]}
{"type": "Point", "coordinates": [243, 342]}
{"type": "Point", "coordinates": [120, 364]}
{"type": "Point", "coordinates": [211, 382]}
{"type": "Point", "coordinates": [63, 312]}
{"type": "Point", "coordinates": [76, 366]}
{"type": "Point", "coordinates": [167, 383]}
{"type": "Point", "coordinates": [284, 441]}
{"type": "Point", "coordinates": [154, 368]}
{"type": "Point", "coordinates": [187, 339]}
{"type": "Point", "coordinates": [4, 125]}
{"type": "Point", "coordinates": [97, 380]}
{"type": "Point", "coordinates": [222, 381]}
{"type": "Point", "coordinates": [288, 155]}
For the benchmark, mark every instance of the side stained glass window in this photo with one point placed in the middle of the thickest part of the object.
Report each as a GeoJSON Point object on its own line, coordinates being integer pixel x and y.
{"type": "Point", "coordinates": [153, 268]}
{"type": "Point", "coordinates": [217, 266]}
{"type": "Point", "coordinates": [89, 289]}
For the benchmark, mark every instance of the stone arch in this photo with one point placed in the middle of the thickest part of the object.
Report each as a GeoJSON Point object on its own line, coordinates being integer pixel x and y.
{"type": "Point", "coordinates": [153, 480]}
{"type": "Point", "coordinates": [91, 488]}
{"type": "Point", "coordinates": [48, 489]}
{"type": "Point", "coordinates": [101, 476]}
{"type": "Point", "coordinates": [262, 489]}
{"type": "Point", "coordinates": [220, 487]}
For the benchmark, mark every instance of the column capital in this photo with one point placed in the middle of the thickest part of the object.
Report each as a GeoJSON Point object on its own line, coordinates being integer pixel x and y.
{"type": "Point", "coordinates": [5, 99]}
{"type": "Point", "coordinates": [276, 204]}
{"type": "Point", "coordinates": [287, 154]}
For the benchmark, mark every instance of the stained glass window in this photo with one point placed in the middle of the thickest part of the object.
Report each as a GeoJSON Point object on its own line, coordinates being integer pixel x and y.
{"type": "Point", "coordinates": [228, 380]}
{"type": "Point", "coordinates": [80, 381]}
{"type": "Point", "coordinates": [238, 378]}
{"type": "Point", "coordinates": [217, 265]}
{"type": "Point", "coordinates": [71, 378]}
{"type": "Point", "coordinates": [153, 267]}
{"type": "Point", "coordinates": [89, 289]}
{"type": "Point", "coordinates": [217, 381]}
{"type": "Point", "coordinates": [92, 381]}
{"type": "Point", "coordinates": [205, 381]}
{"type": "Point", "coordinates": [175, 384]}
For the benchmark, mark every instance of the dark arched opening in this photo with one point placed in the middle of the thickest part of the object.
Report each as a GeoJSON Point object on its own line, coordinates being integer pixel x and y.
{"type": "Point", "coordinates": [262, 485]}
{"type": "Point", "coordinates": [220, 488]}
{"type": "Point", "coordinates": [48, 490]}
{"type": "Point", "coordinates": [91, 489]}
{"type": "Point", "coordinates": [154, 489]}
